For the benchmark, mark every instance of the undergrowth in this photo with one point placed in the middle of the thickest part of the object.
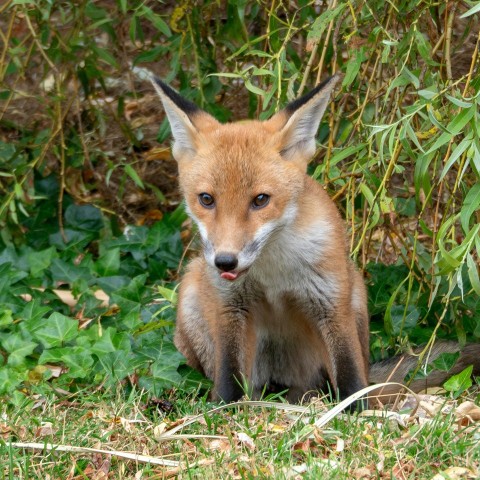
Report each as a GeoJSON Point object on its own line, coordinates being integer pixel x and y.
{"type": "Point", "coordinates": [88, 198]}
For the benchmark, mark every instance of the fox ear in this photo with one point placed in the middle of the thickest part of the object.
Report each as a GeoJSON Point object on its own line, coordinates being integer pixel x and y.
{"type": "Point", "coordinates": [184, 116]}
{"type": "Point", "coordinates": [300, 119]}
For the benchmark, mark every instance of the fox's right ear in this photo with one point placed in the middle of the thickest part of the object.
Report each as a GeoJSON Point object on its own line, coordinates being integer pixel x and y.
{"type": "Point", "coordinates": [185, 118]}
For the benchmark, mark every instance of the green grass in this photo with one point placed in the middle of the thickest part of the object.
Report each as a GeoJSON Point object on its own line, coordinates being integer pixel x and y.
{"type": "Point", "coordinates": [238, 441]}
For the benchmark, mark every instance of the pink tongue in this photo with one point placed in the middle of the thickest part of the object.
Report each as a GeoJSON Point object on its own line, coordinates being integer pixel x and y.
{"type": "Point", "coordinates": [229, 275]}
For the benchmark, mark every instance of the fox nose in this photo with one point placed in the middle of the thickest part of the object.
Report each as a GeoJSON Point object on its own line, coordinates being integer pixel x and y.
{"type": "Point", "coordinates": [226, 262]}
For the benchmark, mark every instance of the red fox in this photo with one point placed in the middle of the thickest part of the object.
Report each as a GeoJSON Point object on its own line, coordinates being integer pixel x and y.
{"type": "Point", "coordinates": [275, 300]}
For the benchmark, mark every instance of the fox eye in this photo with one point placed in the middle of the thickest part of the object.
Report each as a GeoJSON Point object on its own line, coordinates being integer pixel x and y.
{"type": "Point", "coordinates": [206, 200]}
{"type": "Point", "coordinates": [261, 201]}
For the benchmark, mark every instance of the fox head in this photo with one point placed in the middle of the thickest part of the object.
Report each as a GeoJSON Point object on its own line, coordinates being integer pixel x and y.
{"type": "Point", "coordinates": [242, 181]}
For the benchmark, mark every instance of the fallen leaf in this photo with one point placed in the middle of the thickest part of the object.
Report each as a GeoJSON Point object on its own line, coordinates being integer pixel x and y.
{"type": "Point", "coordinates": [150, 217]}
{"type": "Point", "coordinates": [468, 411]}
{"type": "Point", "coordinates": [302, 446]}
{"type": "Point", "coordinates": [302, 468]}
{"type": "Point", "coordinates": [130, 108]}
{"type": "Point", "coordinates": [275, 428]}
{"type": "Point", "coordinates": [245, 440]}
{"type": "Point", "coordinates": [158, 430]}
{"type": "Point", "coordinates": [363, 472]}
{"type": "Point", "coordinates": [402, 470]}
{"type": "Point", "coordinates": [219, 445]}
{"type": "Point", "coordinates": [5, 430]}
{"type": "Point", "coordinates": [157, 153]}
{"type": "Point", "coordinates": [55, 370]}
{"type": "Point", "coordinates": [340, 447]}
{"type": "Point", "coordinates": [455, 473]}
{"type": "Point", "coordinates": [45, 429]}
{"type": "Point", "coordinates": [126, 424]}
{"type": "Point", "coordinates": [104, 469]}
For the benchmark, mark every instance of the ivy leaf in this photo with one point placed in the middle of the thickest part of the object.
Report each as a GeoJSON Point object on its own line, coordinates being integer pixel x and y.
{"type": "Point", "coordinates": [57, 330]}
{"type": "Point", "coordinates": [76, 240]}
{"type": "Point", "coordinates": [78, 360]}
{"type": "Point", "coordinates": [6, 318]}
{"type": "Point", "coordinates": [9, 379]}
{"type": "Point", "coordinates": [117, 365]}
{"type": "Point", "coordinates": [18, 348]}
{"type": "Point", "coordinates": [446, 361]}
{"type": "Point", "coordinates": [63, 271]}
{"type": "Point", "coordinates": [460, 382]}
{"type": "Point", "coordinates": [41, 260]}
{"type": "Point", "coordinates": [108, 263]}
{"type": "Point", "coordinates": [105, 344]}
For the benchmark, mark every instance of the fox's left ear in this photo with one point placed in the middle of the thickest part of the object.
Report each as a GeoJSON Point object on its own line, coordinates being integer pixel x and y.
{"type": "Point", "coordinates": [298, 122]}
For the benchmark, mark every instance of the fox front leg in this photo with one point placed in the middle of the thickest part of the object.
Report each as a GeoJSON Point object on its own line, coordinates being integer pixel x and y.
{"type": "Point", "coordinates": [347, 367]}
{"type": "Point", "coordinates": [231, 358]}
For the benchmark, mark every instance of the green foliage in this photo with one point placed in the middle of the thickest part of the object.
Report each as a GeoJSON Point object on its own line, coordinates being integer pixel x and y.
{"type": "Point", "coordinates": [460, 382]}
{"type": "Point", "coordinates": [92, 342]}
{"type": "Point", "coordinates": [401, 157]}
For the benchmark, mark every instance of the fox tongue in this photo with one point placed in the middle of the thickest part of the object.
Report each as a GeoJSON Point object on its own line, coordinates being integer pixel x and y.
{"type": "Point", "coordinates": [229, 275]}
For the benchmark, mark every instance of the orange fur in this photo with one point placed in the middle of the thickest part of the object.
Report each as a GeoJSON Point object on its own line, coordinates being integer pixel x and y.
{"type": "Point", "coordinates": [275, 299]}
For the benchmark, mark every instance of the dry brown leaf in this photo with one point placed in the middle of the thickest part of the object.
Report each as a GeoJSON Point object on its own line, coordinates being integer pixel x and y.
{"type": "Point", "coordinates": [104, 469]}
{"type": "Point", "coordinates": [429, 405]}
{"type": "Point", "coordinates": [73, 466]}
{"type": "Point", "coordinates": [380, 466]}
{"type": "Point", "coordinates": [126, 424]}
{"type": "Point", "coordinates": [181, 421]}
{"type": "Point", "coordinates": [295, 471]}
{"type": "Point", "coordinates": [302, 446]}
{"type": "Point", "coordinates": [175, 471]}
{"type": "Point", "coordinates": [363, 472]}
{"type": "Point", "coordinates": [430, 408]}
{"type": "Point", "coordinates": [402, 470]}
{"type": "Point", "coordinates": [267, 471]}
{"type": "Point", "coordinates": [67, 297]}
{"type": "Point", "coordinates": [158, 430]}
{"type": "Point", "coordinates": [130, 108]}
{"type": "Point", "coordinates": [245, 440]}
{"type": "Point", "coordinates": [55, 370]}
{"type": "Point", "coordinates": [455, 473]}
{"type": "Point", "coordinates": [45, 430]}
{"type": "Point", "coordinates": [5, 430]}
{"type": "Point", "coordinates": [40, 401]}
{"type": "Point", "coordinates": [468, 410]}
{"type": "Point", "coordinates": [22, 432]}
{"type": "Point", "coordinates": [219, 445]}
{"type": "Point", "coordinates": [89, 472]}
{"type": "Point", "coordinates": [152, 216]}
{"type": "Point", "coordinates": [158, 153]}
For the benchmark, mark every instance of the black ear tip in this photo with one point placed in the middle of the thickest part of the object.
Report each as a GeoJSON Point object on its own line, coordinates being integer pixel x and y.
{"type": "Point", "coordinates": [328, 83]}
{"type": "Point", "coordinates": [332, 80]}
{"type": "Point", "coordinates": [162, 85]}
{"type": "Point", "coordinates": [155, 80]}
{"type": "Point", "coordinates": [158, 83]}
{"type": "Point", "coordinates": [186, 105]}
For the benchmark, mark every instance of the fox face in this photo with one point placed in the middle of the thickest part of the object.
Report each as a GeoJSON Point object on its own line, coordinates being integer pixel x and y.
{"type": "Point", "coordinates": [239, 193]}
{"type": "Point", "coordinates": [242, 181]}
